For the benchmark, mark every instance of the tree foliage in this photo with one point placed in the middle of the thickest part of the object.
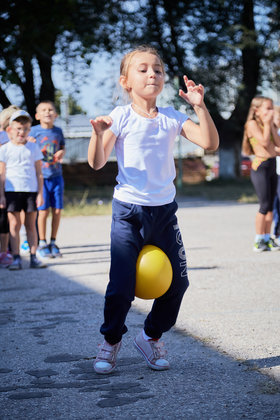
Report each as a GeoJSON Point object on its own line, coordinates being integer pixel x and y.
{"type": "Point", "coordinates": [231, 47]}
{"type": "Point", "coordinates": [33, 32]}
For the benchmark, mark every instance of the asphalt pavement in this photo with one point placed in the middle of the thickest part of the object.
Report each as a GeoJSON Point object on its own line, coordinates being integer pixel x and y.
{"type": "Point", "coordinates": [224, 351]}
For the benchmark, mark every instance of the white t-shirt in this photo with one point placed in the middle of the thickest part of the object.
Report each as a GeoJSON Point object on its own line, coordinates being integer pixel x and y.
{"type": "Point", "coordinates": [144, 151]}
{"type": "Point", "coordinates": [20, 166]}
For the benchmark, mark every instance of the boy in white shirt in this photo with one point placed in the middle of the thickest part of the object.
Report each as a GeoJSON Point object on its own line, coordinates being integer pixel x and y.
{"type": "Point", "coordinates": [21, 185]}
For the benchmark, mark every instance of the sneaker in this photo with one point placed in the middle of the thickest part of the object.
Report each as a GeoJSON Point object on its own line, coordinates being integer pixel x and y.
{"type": "Point", "coordinates": [272, 245]}
{"type": "Point", "coordinates": [16, 264]}
{"type": "Point", "coordinates": [35, 263]}
{"type": "Point", "coordinates": [153, 352]}
{"type": "Point", "coordinates": [277, 240]}
{"type": "Point", "coordinates": [261, 246]}
{"type": "Point", "coordinates": [55, 251]}
{"type": "Point", "coordinates": [44, 252]}
{"type": "Point", "coordinates": [5, 259]}
{"type": "Point", "coordinates": [105, 361]}
{"type": "Point", "coordinates": [25, 248]}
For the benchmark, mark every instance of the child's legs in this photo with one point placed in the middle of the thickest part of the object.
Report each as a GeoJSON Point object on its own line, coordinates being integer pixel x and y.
{"type": "Point", "coordinates": [126, 243]}
{"type": "Point", "coordinates": [262, 184]}
{"type": "Point", "coordinates": [31, 231]}
{"type": "Point", "coordinates": [43, 211]}
{"type": "Point", "coordinates": [276, 210]}
{"type": "Point", "coordinates": [166, 308]}
{"type": "Point", "coordinates": [42, 223]}
{"type": "Point", "coordinates": [56, 215]}
{"type": "Point", "coordinates": [4, 229]}
{"type": "Point", "coordinates": [4, 239]}
{"type": "Point", "coordinates": [56, 191]}
{"type": "Point", "coordinates": [15, 224]}
{"type": "Point", "coordinates": [268, 221]}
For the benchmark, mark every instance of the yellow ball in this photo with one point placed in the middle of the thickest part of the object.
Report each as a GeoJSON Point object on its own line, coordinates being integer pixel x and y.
{"type": "Point", "coordinates": [153, 273]}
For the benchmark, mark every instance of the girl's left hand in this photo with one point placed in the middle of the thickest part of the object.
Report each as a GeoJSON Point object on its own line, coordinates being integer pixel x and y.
{"type": "Point", "coordinates": [195, 93]}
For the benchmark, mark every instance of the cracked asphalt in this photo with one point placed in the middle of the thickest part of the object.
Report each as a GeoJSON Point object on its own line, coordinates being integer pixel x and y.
{"type": "Point", "coordinates": [224, 351]}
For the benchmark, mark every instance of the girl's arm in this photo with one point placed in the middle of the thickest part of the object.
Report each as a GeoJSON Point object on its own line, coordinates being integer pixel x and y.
{"type": "Point", "coordinates": [205, 134]}
{"type": "Point", "coordinates": [40, 199]}
{"type": "Point", "coordinates": [101, 143]}
{"type": "Point", "coordinates": [275, 135]}
{"type": "Point", "coordinates": [2, 185]}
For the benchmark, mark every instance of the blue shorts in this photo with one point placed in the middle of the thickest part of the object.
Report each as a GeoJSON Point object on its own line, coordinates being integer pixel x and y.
{"type": "Point", "coordinates": [53, 193]}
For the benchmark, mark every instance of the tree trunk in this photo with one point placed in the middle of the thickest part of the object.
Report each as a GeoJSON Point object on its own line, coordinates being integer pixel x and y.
{"type": "Point", "coordinates": [4, 101]}
{"type": "Point", "coordinates": [47, 91]}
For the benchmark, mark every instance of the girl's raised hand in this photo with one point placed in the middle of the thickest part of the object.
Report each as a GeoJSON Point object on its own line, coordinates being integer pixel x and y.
{"type": "Point", "coordinates": [101, 124]}
{"type": "Point", "coordinates": [195, 93]}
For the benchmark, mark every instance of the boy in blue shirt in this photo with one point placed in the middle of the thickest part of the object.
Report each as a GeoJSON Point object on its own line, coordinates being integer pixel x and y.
{"type": "Point", "coordinates": [52, 144]}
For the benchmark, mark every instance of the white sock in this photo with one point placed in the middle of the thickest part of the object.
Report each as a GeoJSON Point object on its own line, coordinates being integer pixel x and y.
{"type": "Point", "coordinates": [267, 237]}
{"type": "Point", "coordinates": [146, 337]}
{"type": "Point", "coordinates": [258, 238]}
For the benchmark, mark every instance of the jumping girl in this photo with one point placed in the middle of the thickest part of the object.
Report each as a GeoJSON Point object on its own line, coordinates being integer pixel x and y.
{"type": "Point", "coordinates": [143, 202]}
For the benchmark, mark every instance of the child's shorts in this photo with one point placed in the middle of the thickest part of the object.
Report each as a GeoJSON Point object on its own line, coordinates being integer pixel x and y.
{"type": "Point", "coordinates": [53, 193]}
{"type": "Point", "coordinates": [4, 225]}
{"type": "Point", "coordinates": [17, 201]}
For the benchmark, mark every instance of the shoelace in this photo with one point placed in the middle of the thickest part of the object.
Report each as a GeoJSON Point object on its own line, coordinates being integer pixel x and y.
{"type": "Point", "coordinates": [105, 352]}
{"type": "Point", "coordinates": [159, 350]}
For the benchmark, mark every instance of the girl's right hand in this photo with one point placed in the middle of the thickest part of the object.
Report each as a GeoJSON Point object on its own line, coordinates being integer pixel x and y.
{"type": "Point", "coordinates": [101, 124]}
{"type": "Point", "coordinates": [268, 118]}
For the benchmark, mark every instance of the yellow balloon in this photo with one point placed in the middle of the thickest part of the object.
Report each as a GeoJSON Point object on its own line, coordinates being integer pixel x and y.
{"type": "Point", "coordinates": [153, 273]}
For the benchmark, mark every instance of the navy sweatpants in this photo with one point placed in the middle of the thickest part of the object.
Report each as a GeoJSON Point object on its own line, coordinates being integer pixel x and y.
{"type": "Point", "coordinates": [134, 226]}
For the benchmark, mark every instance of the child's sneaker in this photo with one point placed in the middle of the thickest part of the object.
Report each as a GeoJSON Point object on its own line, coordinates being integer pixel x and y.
{"type": "Point", "coordinates": [16, 264]}
{"type": "Point", "coordinates": [55, 251]}
{"type": "Point", "coordinates": [105, 361]}
{"type": "Point", "coordinates": [277, 240]}
{"type": "Point", "coordinates": [272, 245]}
{"type": "Point", "coordinates": [5, 259]}
{"type": "Point", "coordinates": [25, 248]}
{"type": "Point", "coordinates": [260, 246]}
{"type": "Point", "coordinates": [35, 263]}
{"type": "Point", "coordinates": [153, 352]}
{"type": "Point", "coordinates": [44, 251]}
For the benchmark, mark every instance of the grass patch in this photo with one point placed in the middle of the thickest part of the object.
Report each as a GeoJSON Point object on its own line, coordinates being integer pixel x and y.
{"type": "Point", "coordinates": [240, 190]}
{"type": "Point", "coordinates": [97, 200]}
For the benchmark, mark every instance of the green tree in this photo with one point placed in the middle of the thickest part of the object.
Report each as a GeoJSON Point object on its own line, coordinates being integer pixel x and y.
{"type": "Point", "coordinates": [230, 47]}
{"type": "Point", "coordinates": [34, 32]}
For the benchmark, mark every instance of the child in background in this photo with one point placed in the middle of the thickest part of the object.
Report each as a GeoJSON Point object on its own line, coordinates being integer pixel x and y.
{"type": "Point", "coordinates": [21, 185]}
{"type": "Point", "coordinates": [143, 204]}
{"type": "Point", "coordinates": [276, 207]}
{"type": "Point", "coordinates": [52, 144]}
{"type": "Point", "coordinates": [261, 139]}
{"type": "Point", "coordinates": [5, 256]}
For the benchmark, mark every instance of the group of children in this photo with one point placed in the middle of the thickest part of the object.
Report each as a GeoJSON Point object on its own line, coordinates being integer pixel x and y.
{"type": "Point", "coordinates": [31, 182]}
{"type": "Point", "coordinates": [144, 206]}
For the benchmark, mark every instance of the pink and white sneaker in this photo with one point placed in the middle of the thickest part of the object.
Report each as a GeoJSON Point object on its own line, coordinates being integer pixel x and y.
{"type": "Point", "coordinates": [5, 259]}
{"type": "Point", "coordinates": [105, 361]}
{"type": "Point", "coordinates": [153, 352]}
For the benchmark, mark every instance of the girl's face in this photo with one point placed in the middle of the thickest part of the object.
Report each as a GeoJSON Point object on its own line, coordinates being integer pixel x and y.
{"type": "Point", "coordinates": [145, 78]}
{"type": "Point", "coordinates": [265, 111]}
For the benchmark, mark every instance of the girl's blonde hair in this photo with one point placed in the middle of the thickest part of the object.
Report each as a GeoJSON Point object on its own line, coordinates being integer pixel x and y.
{"type": "Point", "coordinates": [255, 104]}
{"type": "Point", "coordinates": [126, 60]}
{"type": "Point", "coordinates": [6, 114]}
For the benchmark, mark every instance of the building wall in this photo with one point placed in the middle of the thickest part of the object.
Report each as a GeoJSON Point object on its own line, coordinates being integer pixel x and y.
{"type": "Point", "coordinates": [81, 174]}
